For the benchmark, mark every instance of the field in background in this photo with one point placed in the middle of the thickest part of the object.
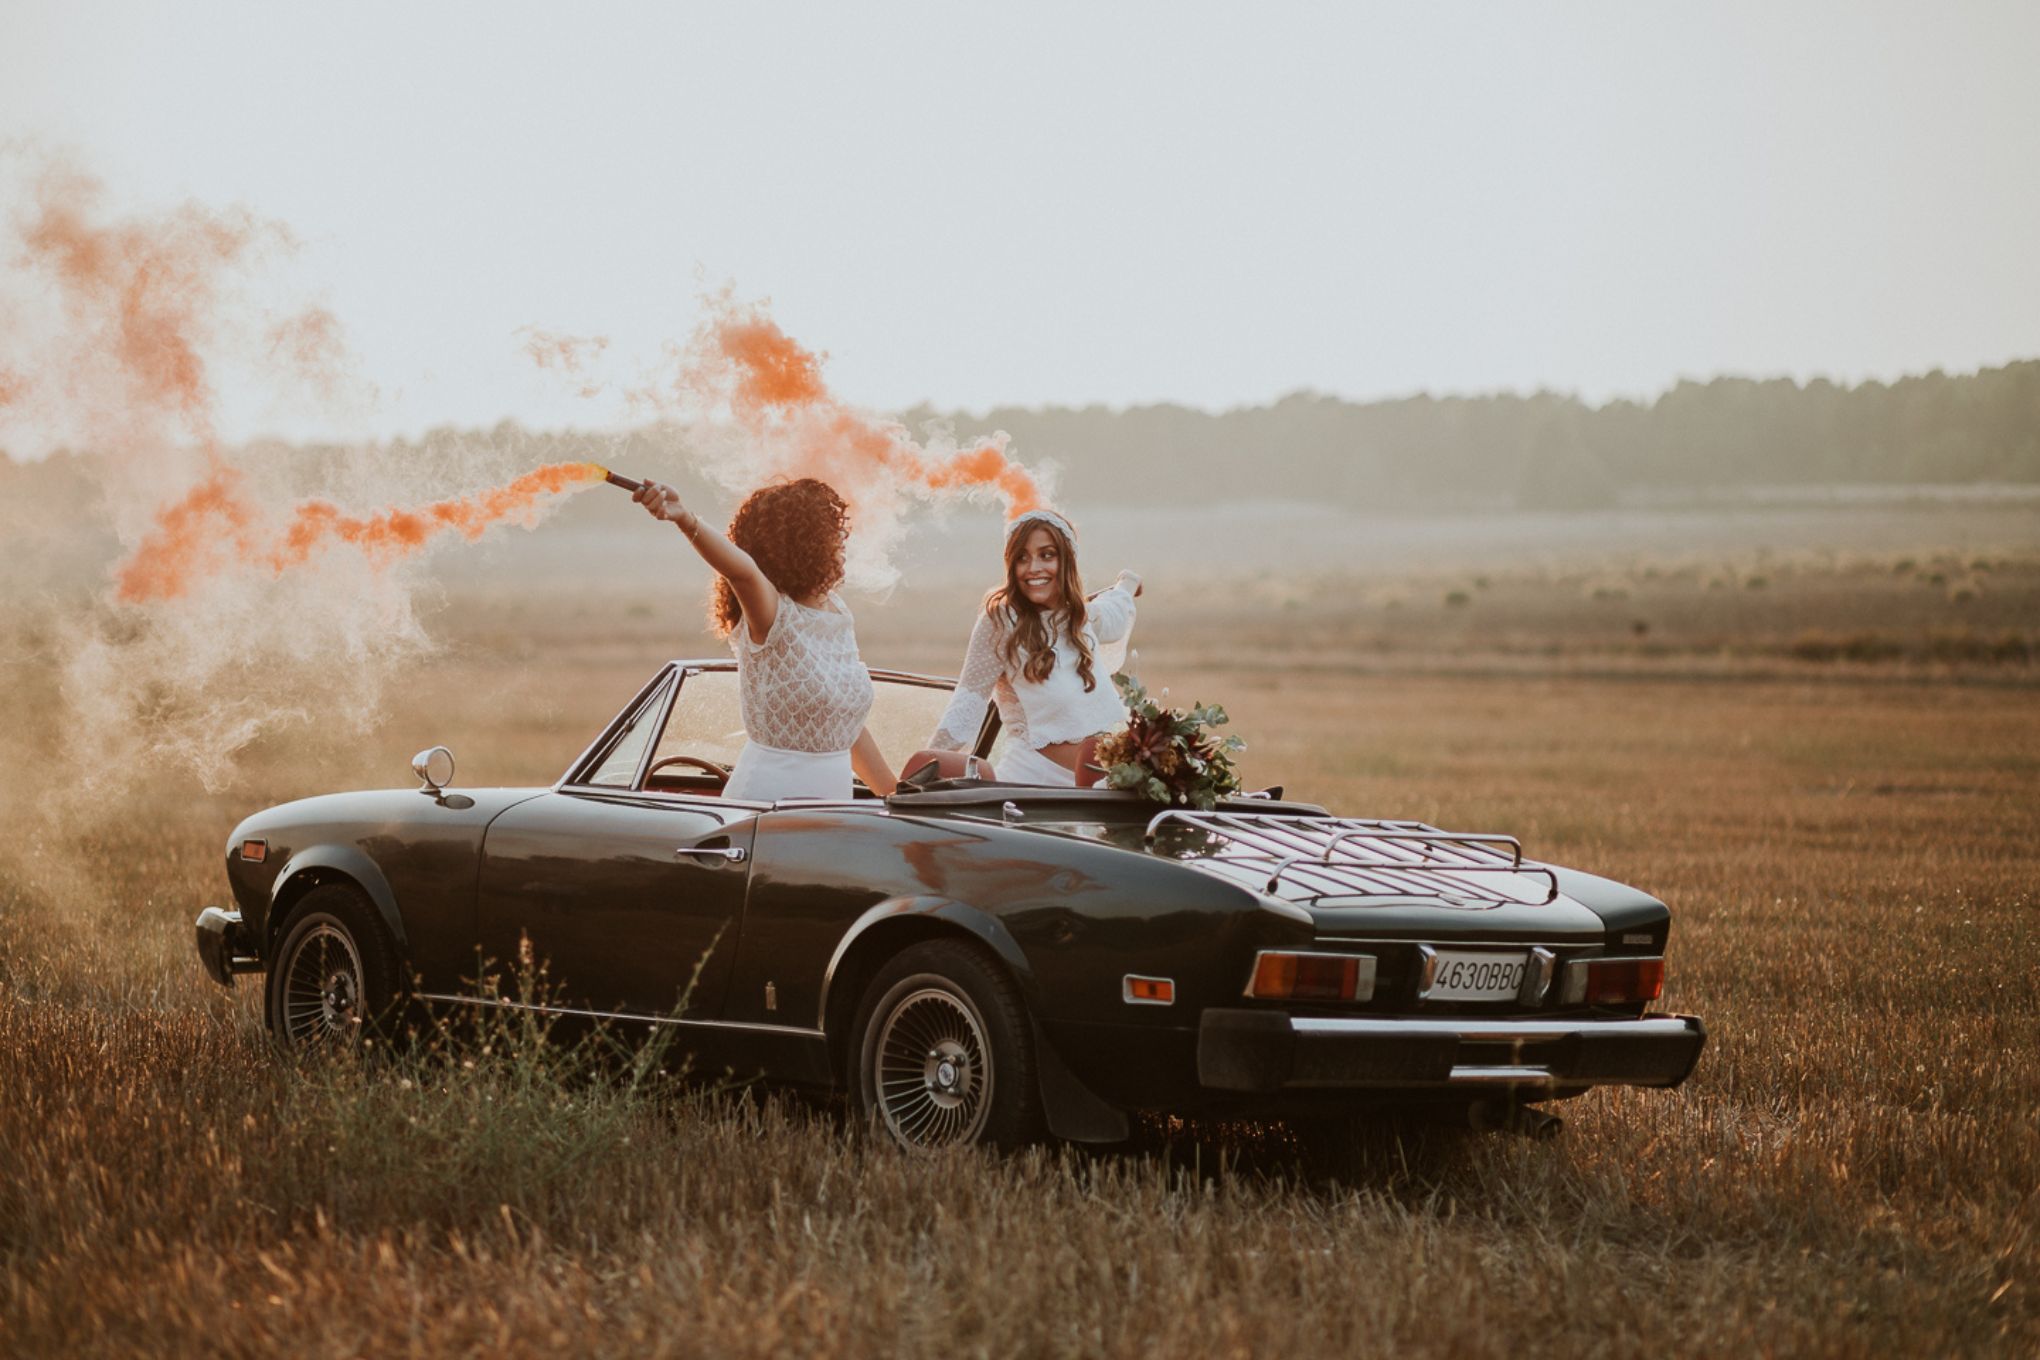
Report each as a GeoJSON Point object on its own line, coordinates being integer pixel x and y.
{"type": "Point", "coordinates": [1824, 753]}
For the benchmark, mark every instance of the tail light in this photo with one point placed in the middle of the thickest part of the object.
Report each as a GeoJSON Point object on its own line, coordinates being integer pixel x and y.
{"type": "Point", "coordinates": [1311, 977]}
{"type": "Point", "coordinates": [1612, 982]}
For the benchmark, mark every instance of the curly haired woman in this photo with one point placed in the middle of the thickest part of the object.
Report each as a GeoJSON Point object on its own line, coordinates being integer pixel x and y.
{"type": "Point", "coordinates": [803, 690]}
{"type": "Point", "coordinates": [1035, 651]}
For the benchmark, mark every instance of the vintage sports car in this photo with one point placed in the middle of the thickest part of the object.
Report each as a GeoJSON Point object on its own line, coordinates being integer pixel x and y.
{"type": "Point", "coordinates": [969, 960]}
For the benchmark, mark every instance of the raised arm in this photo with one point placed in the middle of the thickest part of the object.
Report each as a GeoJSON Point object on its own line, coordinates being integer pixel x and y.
{"type": "Point", "coordinates": [758, 595]}
{"type": "Point", "coordinates": [966, 711]}
{"type": "Point", "coordinates": [1112, 609]}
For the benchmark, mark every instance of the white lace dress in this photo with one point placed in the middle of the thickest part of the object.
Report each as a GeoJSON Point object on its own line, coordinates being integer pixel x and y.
{"type": "Point", "coordinates": [1044, 713]}
{"type": "Point", "coordinates": [804, 694]}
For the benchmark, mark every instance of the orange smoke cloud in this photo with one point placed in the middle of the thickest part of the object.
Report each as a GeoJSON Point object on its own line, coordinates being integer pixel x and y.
{"type": "Point", "coordinates": [195, 536]}
{"type": "Point", "coordinates": [310, 344]}
{"type": "Point", "coordinates": [770, 369]}
{"type": "Point", "coordinates": [570, 355]}
{"type": "Point", "coordinates": [144, 292]}
{"type": "Point", "coordinates": [214, 528]}
{"type": "Point", "coordinates": [774, 388]}
{"type": "Point", "coordinates": [143, 303]}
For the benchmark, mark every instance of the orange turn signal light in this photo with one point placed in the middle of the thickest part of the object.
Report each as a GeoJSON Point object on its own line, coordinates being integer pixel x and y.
{"type": "Point", "coordinates": [1148, 991]}
{"type": "Point", "coordinates": [255, 851]}
{"type": "Point", "coordinates": [1312, 977]}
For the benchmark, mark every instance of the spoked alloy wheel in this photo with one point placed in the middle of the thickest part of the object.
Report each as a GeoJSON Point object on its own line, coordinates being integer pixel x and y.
{"type": "Point", "coordinates": [322, 990]}
{"type": "Point", "coordinates": [334, 978]}
{"type": "Point", "coordinates": [942, 1050]}
{"type": "Point", "coordinates": [933, 1068]}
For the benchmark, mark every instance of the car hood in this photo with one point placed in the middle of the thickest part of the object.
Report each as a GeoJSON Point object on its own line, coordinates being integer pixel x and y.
{"type": "Point", "coordinates": [374, 807]}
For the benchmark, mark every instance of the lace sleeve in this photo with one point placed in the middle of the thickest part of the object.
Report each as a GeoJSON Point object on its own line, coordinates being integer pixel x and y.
{"type": "Point", "coordinates": [1111, 614]}
{"type": "Point", "coordinates": [981, 671]}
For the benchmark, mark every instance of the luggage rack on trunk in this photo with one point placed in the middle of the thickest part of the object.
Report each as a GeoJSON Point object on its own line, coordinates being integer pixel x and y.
{"type": "Point", "coordinates": [1345, 857]}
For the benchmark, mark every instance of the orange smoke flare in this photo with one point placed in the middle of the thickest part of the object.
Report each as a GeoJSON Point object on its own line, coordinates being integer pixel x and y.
{"type": "Point", "coordinates": [774, 387]}
{"type": "Point", "coordinates": [186, 545]}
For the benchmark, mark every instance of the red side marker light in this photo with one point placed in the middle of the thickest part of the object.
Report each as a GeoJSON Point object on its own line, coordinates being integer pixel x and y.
{"type": "Point", "coordinates": [255, 851]}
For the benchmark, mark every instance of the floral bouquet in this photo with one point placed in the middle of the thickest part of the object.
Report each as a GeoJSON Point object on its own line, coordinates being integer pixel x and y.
{"type": "Point", "coordinates": [1169, 756]}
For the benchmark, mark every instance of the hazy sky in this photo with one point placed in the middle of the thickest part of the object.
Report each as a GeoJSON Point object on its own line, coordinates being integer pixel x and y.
{"type": "Point", "coordinates": [1117, 203]}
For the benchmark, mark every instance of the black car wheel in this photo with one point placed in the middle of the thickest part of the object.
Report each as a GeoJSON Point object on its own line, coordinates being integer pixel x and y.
{"type": "Point", "coordinates": [335, 977]}
{"type": "Point", "coordinates": [944, 1051]}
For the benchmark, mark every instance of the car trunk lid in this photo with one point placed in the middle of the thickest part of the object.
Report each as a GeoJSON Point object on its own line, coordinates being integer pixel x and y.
{"type": "Point", "coordinates": [1355, 878]}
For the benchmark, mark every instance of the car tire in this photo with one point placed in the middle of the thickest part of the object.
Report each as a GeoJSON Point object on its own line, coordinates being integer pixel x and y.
{"type": "Point", "coordinates": [335, 980]}
{"type": "Point", "coordinates": [944, 1052]}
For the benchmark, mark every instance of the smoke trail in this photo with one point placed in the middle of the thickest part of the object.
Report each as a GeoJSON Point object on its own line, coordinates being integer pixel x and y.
{"type": "Point", "coordinates": [788, 423]}
{"type": "Point", "coordinates": [212, 529]}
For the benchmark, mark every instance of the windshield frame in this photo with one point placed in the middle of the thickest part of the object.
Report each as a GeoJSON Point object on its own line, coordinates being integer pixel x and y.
{"type": "Point", "coordinates": [663, 690]}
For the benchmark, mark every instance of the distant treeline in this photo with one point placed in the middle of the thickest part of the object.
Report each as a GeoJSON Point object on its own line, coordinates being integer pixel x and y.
{"type": "Point", "coordinates": [1546, 450]}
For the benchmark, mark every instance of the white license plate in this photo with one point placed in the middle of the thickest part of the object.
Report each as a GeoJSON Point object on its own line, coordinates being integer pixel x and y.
{"type": "Point", "coordinates": [1468, 975]}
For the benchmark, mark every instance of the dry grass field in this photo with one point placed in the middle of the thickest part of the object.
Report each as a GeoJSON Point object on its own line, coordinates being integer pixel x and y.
{"type": "Point", "coordinates": [1851, 844]}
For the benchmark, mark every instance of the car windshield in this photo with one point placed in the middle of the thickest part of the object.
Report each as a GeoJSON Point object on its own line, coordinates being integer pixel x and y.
{"type": "Point", "coordinates": [707, 724]}
{"type": "Point", "coordinates": [618, 768]}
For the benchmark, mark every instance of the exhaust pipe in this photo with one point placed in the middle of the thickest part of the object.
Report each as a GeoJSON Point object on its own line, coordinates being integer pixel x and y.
{"type": "Point", "coordinates": [1505, 1116]}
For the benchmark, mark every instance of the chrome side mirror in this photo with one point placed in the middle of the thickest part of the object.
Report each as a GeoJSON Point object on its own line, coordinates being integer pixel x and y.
{"type": "Point", "coordinates": [433, 765]}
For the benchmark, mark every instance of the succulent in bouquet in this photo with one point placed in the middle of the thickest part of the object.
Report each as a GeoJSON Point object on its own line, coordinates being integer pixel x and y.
{"type": "Point", "coordinates": [1169, 755]}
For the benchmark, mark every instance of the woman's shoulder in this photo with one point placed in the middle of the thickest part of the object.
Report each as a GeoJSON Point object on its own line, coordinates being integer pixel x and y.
{"type": "Point", "coordinates": [995, 616]}
{"type": "Point", "coordinates": [829, 607]}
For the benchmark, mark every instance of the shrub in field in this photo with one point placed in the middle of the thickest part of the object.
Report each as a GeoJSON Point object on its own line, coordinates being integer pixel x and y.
{"type": "Point", "coordinates": [1816, 645]}
{"type": "Point", "coordinates": [1964, 644]}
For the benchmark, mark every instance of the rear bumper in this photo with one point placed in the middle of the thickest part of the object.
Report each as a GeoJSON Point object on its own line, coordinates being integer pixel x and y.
{"type": "Point", "coordinates": [222, 947]}
{"type": "Point", "coordinates": [1268, 1051]}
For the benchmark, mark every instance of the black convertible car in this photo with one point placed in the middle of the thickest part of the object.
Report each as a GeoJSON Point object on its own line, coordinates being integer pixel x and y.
{"type": "Point", "coordinates": [970, 960]}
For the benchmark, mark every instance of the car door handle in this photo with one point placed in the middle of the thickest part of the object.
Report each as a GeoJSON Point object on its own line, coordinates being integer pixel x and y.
{"type": "Point", "coordinates": [735, 854]}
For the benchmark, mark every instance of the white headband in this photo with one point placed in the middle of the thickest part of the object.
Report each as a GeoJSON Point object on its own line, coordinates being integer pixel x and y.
{"type": "Point", "coordinates": [1014, 524]}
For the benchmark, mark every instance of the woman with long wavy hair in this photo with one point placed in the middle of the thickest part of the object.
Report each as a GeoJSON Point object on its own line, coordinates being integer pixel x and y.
{"type": "Point", "coordinates": [1035, 652]}
{"type": "Point", "coordinates": [803, 689]}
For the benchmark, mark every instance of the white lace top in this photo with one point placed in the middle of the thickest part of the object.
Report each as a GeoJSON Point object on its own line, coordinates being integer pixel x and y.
{"type": "Point", "coordinates": [803, 688]}
{"type": "Point", "coordinates": [1057, 709]}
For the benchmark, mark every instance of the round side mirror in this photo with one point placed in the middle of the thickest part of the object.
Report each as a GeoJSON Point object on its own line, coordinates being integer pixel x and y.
{"type": "Point", "coordinates": [434, 766]}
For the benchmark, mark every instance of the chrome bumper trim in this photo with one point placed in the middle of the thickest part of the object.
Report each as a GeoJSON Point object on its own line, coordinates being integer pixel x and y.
{"type": "Point", "coordinates": [220, 947]}
{"type": "Point", "coordinates": [1268, 1051]}
{"type": "Point", "coordinates": [1469, 1029]}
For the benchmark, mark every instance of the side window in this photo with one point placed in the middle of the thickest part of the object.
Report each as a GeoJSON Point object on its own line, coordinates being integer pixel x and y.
{"type": "Point", "coordinates": [618, 767]}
